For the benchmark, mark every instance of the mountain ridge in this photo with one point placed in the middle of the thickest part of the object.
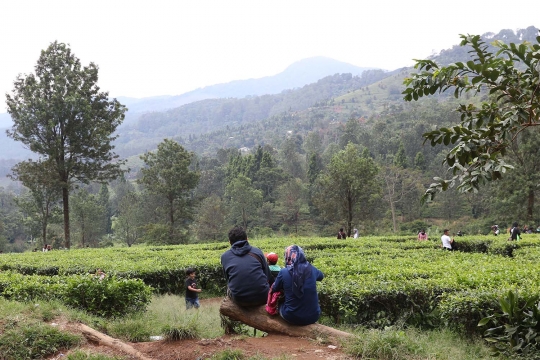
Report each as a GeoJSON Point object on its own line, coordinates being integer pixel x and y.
{"type": "Point", "coordinates": [298, 74]}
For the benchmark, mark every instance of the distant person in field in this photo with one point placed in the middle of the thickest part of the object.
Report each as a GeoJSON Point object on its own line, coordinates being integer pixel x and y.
{"type": "Point", "coordinates": [272, 264]}
{"type": "Point", "coordinates": [100, 274]}
{"type": "Point", "coordinates": [192, 290]}
{"type": "Point", "coordinates": [246, 270]}
{"type": "Point", "coordinates": [298, 281]}
{"type": "Point", "coordinates": [514, 232]}
{"type": "Point", "coordinates": [341, 234]}
{"type": "Point", "coordinates": [446, 240]}
{"type": "Point", "coordinates": [355, 234]}
{"type": "Point", "coordinates": [422, 235]}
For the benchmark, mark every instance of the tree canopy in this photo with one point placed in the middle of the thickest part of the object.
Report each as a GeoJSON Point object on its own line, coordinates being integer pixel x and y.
{"type": "Point", "coordinates": [167, 175]}
{"type": "Point", "coordinates": [347, 187]}
{"type": "Point", "coordinates": [509, 83]}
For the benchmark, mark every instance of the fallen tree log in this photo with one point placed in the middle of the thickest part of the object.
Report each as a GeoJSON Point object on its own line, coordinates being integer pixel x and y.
{"type": "Point", "coordinates": [258, 318]}
{"type": "Point", "coordinates": [104, 339]}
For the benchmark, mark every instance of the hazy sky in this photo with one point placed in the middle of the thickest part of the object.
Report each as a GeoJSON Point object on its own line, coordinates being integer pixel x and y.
{"type": "Point", "coordinates": [168, 47]}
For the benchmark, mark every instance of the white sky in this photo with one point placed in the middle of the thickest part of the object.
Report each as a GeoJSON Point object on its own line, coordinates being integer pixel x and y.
{"type": "Point", "coordinates": [168, 47]}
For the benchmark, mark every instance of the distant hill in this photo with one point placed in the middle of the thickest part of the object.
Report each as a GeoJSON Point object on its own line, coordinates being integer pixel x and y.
{"type": "Point", "coordinates": [214, 114]}
{"type": "Point", "coordinates": [298, 74]}
{"type": "Point", "coordinates": [459, 53]}
{"type": "Point", "coordinates": [243, 102]}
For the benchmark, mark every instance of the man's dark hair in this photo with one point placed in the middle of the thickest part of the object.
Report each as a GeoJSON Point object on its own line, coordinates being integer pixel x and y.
{"type": "Point", "coordinates": [237, 233]}
{"type": "Point", "coordinates": [189, 271]}
{"type": "Point", "coordinates": [515, 224]}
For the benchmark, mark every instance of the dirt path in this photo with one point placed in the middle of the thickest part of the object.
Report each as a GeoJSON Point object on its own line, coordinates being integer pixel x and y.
{"type": "Point", "coordinates": [270, 346]}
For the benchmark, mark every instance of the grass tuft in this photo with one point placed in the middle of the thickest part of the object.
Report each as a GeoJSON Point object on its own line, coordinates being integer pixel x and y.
{"type": "Point", "coordinates": [406, 344]}
{"type": "Point", "coordinates": [229, 354]}
{"type": "Point", "coordinates": [174, 333]}
{"type": "Point", "coordinates": [34, 341]}
{"type": "Point", "coordinates": [81, 355]}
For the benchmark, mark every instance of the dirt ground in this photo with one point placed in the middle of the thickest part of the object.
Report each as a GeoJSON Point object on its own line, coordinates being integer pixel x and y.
{"type": "Point", "coordinates": [271, 346]}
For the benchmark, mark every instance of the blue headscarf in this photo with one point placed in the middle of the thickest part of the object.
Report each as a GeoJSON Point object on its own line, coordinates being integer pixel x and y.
{"type": "Point", "coordinates": [298, 266]}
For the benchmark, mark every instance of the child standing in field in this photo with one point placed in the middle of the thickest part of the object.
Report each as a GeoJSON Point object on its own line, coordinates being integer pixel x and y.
{"type": "Point", "coordinates": [192, 292]}
{"type": "Point", "coordinates": [272, 264]}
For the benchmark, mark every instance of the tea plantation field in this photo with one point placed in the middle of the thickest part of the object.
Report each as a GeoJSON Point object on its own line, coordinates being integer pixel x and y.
{"type": "Point", "coordinates": [373, 281]}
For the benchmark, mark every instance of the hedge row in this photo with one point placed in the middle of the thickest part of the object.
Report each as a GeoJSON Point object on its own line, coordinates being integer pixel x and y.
{"type": "Point", "coordinates": [109, 297]}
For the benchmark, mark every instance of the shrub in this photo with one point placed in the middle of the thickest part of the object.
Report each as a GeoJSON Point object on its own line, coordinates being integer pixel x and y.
{"type": "Point", "coordinates": [516, 326]}
{"type": "Point", "coordinates": [109, 297]}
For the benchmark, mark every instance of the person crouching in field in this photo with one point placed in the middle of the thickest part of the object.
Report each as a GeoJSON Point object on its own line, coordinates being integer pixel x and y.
{"type": "Point", "coordinates": [192, 292]}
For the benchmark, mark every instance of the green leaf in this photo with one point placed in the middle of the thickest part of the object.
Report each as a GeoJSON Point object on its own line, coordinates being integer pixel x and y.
{"type": "Point", "coordinates": [484, 321]}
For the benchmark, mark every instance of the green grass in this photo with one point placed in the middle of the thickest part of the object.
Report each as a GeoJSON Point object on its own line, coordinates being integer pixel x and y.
{"type": "Point", "coordinates": [23, 324]}
{"type": "Point", "coordinates": [167, 316]}
{"type": "Point", "coordinates": [409, 344]}
{"type": "Point", "coordinates": [230, 354]}
{"type": "Point", "coordinates": [81, 355]}
{"type": "Point", "coordinates": [34, 341]}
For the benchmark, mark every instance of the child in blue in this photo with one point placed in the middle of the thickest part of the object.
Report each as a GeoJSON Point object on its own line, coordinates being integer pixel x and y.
{"type": "Point", "coordinates": [192, 296]}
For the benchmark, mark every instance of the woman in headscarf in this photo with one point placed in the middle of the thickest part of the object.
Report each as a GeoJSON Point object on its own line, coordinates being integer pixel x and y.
{"type": "Point", "coordinates": [298, 282]}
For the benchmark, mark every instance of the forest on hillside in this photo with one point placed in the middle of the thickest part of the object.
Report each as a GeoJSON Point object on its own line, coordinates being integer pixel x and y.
{"type": "Point", "coordinates": [345, 152]}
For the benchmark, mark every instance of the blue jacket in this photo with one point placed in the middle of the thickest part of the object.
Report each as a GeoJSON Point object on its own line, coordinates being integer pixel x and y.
{"type": "Point", "coordinates": [299, 311]}
{"type": "Point", "coordinates": [247, 276]}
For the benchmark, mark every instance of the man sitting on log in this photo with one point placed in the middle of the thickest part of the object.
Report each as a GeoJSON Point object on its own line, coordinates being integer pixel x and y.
{"type": "Point", "coordinates": [246, 270]}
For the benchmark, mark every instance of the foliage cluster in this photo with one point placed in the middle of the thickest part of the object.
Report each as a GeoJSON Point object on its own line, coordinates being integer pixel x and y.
{"type": "Point", "coordinates": [515, 327]}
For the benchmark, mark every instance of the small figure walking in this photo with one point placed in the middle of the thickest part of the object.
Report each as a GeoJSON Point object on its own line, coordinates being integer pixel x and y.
{"type": "Point", "coordinates": [355, 234]}
{"type": "Point", "coordinates": [447, 242]}
{"type": "Point", "coordinates": [192, 296]}
{"type": "Point", "coordinates": [341, 234]}
{"type": "Point", "coordinates": [514, 232]}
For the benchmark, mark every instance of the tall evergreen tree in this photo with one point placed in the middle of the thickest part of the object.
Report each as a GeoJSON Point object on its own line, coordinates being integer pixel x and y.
{"type": "Point", "coordinates": [60, 113]}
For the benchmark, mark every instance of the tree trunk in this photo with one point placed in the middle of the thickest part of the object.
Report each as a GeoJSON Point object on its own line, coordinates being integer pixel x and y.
{"type": "Point", "coordinates": [83, 230]}
{"type": "Point", "coordinates": [393, 211]}
{"type": "Point", "coordinates": [244, 218]}
{"type": "Point", "coordinates": [101, 338]}
{"type": "Point", "coordinates": [530, 205]}
{"type": "Point", "coordinates": [258, 318]}
{"type": "Point", "coordinates": [349, 216]}
{"type": "Point", "coordinates": [171, 219]}
{"type": "Point", "coordinates": [44, 230]}
{"type": "Point", "coordinates": [65, 201]}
